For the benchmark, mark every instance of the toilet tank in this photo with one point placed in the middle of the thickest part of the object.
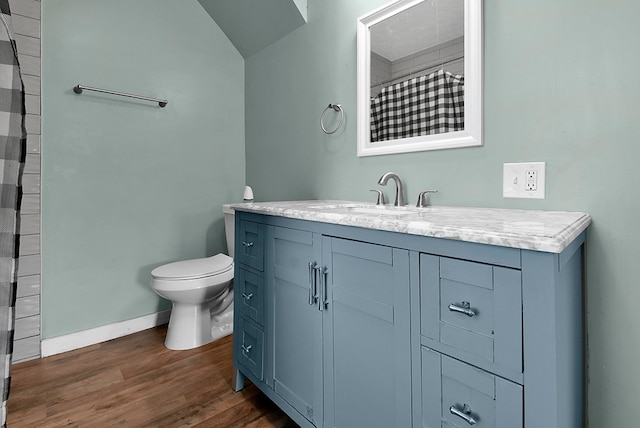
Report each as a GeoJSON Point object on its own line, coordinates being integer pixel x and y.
{"type": "Point", "coordinates": [229, 227]}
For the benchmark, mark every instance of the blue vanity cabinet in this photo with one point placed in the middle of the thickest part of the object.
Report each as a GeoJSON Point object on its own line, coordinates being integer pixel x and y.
{"type": "Point", "coordinates": [249, 245]}
{"type": "Point", "coordinates": [249, 349]}
{"type": "Point", "coordinates": [367, 346]}
{"type": "Point", "coordinates": [294, 323]}
{"type": "Point", "coordinates": [500, 338]}
{"type": "Point", "coordinates": [456, 394]}
{"type": "Point", "coordinates": [249, 288]}
{"type": "Point", "coordinates": [339, 329]}
{"type": "Point", "coordinates": [472, 312]}
{"type": "Point", "coordinates": [336, 328]}
{"type": "Point", "coordinates": [353, 327]}
{"type": "Point", "coordinates": [249, 294]}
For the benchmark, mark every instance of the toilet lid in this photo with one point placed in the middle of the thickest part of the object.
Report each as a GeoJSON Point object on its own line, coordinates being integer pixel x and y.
{"type": "Point", "coordinates": [193, 269]}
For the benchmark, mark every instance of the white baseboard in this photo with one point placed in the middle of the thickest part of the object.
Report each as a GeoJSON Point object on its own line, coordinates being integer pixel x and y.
{"type": "Point", "coordinates": [69, 342]}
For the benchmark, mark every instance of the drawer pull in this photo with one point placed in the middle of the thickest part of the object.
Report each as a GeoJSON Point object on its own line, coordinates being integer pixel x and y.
{"type": "Point", "coordinates": [247, 296]}
{"type": "Point", "coordinates": [464, 308]}
{"type": "Point", "coordinates": [246, 349]}
{"type": "Point", "coordinates": [247, 244]}
{"type": "Point", "coordinates": [465, 413]}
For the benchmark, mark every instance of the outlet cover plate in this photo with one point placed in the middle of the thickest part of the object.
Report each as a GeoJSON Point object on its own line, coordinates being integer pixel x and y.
{"type": "Point", "coordinates": [516, 180]}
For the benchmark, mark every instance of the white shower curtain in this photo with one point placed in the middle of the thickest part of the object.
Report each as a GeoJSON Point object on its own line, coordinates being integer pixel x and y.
{"type": "Point", "coordinates": [12, 152]}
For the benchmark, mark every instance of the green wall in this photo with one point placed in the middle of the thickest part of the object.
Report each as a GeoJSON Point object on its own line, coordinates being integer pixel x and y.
{"type": "Point", "coordinates": [560, 85]}
{"type": "Point", "coordinates": [127, 185]}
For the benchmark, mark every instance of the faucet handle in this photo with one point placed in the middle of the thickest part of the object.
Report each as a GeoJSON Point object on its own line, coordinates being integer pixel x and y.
{"type": "Point", "coordinates": [422, 198]}
{"type": "Point", "coordinates": [380, 197]}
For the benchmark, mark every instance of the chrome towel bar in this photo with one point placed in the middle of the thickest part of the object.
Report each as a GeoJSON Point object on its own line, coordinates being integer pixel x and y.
{"type": "Point", "coordinates": [79, 88]}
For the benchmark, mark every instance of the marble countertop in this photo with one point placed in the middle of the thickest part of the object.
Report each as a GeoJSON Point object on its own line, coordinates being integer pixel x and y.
{"type": "Point", "coordinates": [549, 231]}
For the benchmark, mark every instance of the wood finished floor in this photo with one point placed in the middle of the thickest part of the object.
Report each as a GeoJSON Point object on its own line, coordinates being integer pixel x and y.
{"type": "Point", "coordinates": [134, 381]}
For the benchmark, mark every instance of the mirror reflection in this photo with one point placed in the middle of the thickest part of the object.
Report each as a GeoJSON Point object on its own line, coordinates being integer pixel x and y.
{"type": "Point", "coordinates": [417, 71]}
{"type": "Point", "coordinates": [419, 76]}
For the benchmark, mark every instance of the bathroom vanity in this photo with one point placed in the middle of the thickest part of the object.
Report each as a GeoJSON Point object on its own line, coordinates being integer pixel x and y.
{"type": "Point", "coordinates": [356, 315]}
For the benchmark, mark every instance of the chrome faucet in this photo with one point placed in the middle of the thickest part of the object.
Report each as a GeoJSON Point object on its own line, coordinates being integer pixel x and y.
{"type": "Point", "coordinates": [399, 201]}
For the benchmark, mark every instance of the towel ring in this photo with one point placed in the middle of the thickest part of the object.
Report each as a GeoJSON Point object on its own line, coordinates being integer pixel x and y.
{"type": "Point", "coordinates": [335, 107]}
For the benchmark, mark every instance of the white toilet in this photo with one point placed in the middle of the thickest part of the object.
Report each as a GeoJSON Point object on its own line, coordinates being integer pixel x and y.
{"type": "Point", "coordinates": [201, 291]}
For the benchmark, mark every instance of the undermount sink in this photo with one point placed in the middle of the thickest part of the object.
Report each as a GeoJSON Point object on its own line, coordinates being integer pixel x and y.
{"type": "Point", "coordinates": [393, 211]}
{"type": "Point", "coordinates": [382, 210]}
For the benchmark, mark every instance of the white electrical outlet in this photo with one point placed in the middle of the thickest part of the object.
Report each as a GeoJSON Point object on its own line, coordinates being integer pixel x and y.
{"type": "Point", "coordinates": [523, 180]}
{"type": "Point", "coordinates": [531, 177]}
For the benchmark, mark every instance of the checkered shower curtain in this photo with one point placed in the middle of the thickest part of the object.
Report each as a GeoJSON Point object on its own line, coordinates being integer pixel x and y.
{"type": "Point", "coordinates": [12, 152]}
{"type": "Point", "coordinates": [423, 105]}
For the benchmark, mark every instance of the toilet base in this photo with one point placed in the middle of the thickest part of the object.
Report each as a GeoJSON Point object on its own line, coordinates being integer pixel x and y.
{"type": "Point", "coordinates": [222, 325]}
{"type": "Point", "coordinates": [191, 326]}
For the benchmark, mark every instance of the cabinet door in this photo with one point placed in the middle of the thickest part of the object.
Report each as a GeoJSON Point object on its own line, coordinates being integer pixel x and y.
{"type": "Point", "coordinates": [249, 347]}
{"type": "Point", "coordinates": [250, 244]}
{"type": "Point", "coordinates": [455, 394]}
{"type": "Point", "coordinates": [473, 311]}
{"type": "Point", "coordinates": [366, 328]}
{"type": "Point", "coordinates": [295, 323]}
{"type": "Point", "coordinates": [249, 295]}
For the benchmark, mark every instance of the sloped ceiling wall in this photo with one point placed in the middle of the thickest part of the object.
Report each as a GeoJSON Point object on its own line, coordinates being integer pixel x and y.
{"type": "Point", "coordinates": [252, 25]}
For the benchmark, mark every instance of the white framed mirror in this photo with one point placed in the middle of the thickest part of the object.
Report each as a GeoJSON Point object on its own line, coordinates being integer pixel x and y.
{"type": "Point", "coordinates": [420, 76]}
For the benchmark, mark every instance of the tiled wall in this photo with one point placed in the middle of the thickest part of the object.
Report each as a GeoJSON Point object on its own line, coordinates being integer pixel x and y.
{"type": "Point", "coordinates": [26, 25]}
{"type": "Point", "coordinates": [380, 71]}
{"type": "Point", "coordinates": [450, 53]}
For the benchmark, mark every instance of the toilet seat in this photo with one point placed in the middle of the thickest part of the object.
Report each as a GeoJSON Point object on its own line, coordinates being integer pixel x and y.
{"type": "Point", "coordinates": [194, 269]}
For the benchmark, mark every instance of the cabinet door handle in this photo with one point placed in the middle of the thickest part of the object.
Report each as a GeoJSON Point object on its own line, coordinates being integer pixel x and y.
{"type": "Point", "coordinates": [464, 308]}
{"type": "Point", "coordinates": [247, 296]}
{"type": "Point", "coordinates": [465, 413]}
{"type": "Point", "coordinates": [313, 289]}
{"type": "Point", "coordinates": [323, 301]}
{"type": "Point", "coordinates": [325, 271]}
{"type": "Point", "coordinates": [246, 349]}
{"type": "Point", "coordinates": [247, 244]}
{"type": "Point", "coordinates": [321, 289]}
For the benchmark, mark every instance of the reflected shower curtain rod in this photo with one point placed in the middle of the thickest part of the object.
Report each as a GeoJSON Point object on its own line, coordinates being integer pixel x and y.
{"type": "Point", "coordinates": [79, 88]}
{"type": "Point", "coordinates": [402, 76]}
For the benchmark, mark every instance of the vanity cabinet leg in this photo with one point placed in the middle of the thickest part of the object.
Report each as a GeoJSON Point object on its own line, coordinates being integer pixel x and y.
{"type": "Point", "coordinates": [237, 380]}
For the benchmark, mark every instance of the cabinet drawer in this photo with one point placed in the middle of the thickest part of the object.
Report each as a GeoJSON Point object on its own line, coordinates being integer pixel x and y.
{"type": "Point", "coordinates": [250, 347]}
{"type": "Point", "coordinates": [250, 244]}
{"type": "Point", "coordinates": [455, 394]}
{"type": "Point", "coordinates": [473, 311]}
{"type": "Point", "coordinates": [249, 295]}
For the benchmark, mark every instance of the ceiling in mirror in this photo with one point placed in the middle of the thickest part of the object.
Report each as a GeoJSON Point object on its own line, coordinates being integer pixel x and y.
{"type": "Point", "coordinates": [427, 24]}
